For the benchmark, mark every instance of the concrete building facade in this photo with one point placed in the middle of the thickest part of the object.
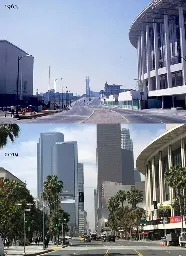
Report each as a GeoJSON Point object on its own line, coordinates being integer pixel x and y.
{"type": "Point", "coordinates": [161, 45]}
{"type": "Point", "coordinates": [127, 167]}
{"type": "Point", "coordinates": [9, 54]}
{"type": "Point", "coordinates": [4, 174]}
{"type": "Point", "coordinates": [161, 154]}
{"type": "Point", "coordinates": [109, 161]}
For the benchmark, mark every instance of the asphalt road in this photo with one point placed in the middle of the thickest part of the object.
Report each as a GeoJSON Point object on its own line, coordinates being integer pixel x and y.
{"type": "Point", "coordinates": [85, 111]}
{"type": "Point", "coordinates": [140, 116]}
{"type": "Point", "coordinates": [123, 248]}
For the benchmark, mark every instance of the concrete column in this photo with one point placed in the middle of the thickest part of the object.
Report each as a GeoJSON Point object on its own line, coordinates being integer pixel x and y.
{"type": "Point", "coordinates": [154, 197]}
{"type": "Point", "coordinates": [183, 152]}
{"type": "Point", "coordinates": [167, 52]}
{"type": "Point", "coordinates": [182, 43]}
{"type": "Point", "coordinates": [146, 188]}
{"type": "Point", "coordinates": [170, 165]}
{"type": "Point", "coordinates": [149, 189]}
{"type": "Point", "coordinates": [154, 179]}
{"type": "Point", "coordinates": [156, 54]}
{"type": "Point", "coordinates": [143, 60]}
{"type": "Point", "coordinates": [139, 59]}
{"type": "Point", "coordinates": [161, 185]}
{"type": "Point", "coordinates": [148, 57]}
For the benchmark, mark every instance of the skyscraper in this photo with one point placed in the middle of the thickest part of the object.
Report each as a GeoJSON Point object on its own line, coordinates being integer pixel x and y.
{"type": "Point", "coordinates": [65, 166]}
{"type": "Point", "coordinates": [109, 161]}
{"type": "Point", "coordinates": [126, 141]}
{"type": "Point", "coordinates": [80, 184]}
{"type": "Point", "coordinates": [44, 157]}
{"type": "Point", "coordinates": [127, 158]}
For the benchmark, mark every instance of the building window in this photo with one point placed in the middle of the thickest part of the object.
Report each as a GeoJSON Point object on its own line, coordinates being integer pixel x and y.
{"type": "Point", "coordinates": [163, 82]}
{"type": "Point", "coordinates": [177, 79]}
{"type": "Point", "coordinates": [176, 157]}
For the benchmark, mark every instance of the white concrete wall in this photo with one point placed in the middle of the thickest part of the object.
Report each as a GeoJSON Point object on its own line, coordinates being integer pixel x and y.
{"type": "Point", "coordinates": [9, 69]}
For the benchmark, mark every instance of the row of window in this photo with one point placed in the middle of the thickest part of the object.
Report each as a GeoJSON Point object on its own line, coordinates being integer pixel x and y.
{"type": "Point", "coordinates": [177, 80]}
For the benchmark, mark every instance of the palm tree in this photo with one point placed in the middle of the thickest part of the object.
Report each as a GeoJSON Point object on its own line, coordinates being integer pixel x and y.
{"type": "Point", "coordinates": [113, 207]}
{"type": "Point", "coordinates": [134, 197]}
{"type": "Point", "coordinates": [121, 197]}
{"type": "Point", "coordinates": [176, 179]}
{"type": "Point", "coordinates": [8, 131]}
{"type": "Point", "coordinates": [52, 191]}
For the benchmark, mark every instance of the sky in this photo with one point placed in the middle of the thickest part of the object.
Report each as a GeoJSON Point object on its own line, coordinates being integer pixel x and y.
{"type": "Point", "coordinates": [76, 38]}
{"type": "Point", "coordinates": [25, 165]}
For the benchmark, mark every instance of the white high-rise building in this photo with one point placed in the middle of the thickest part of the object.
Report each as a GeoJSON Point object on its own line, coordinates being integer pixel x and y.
{"type": "Point", "coordinates": [126, 141]}
{"type": "Point", "coordinates": [44, 157]}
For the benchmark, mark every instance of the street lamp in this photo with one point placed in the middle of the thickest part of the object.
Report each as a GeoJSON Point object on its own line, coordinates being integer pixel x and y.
{"type": "Point", "coordinates": [44, 207]}
{"type": "Point", "coordinates": [63, 231]}
{"type": "Point", "coordinates": [24, 226]}
{"type": "Point", "coordinates": [17, 86]}
{"type": "Point", "coordinates": [63, 87]}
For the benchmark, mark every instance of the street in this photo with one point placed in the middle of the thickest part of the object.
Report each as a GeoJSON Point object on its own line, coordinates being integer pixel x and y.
{"type": "Point", "coordinates": [118, 248]}
{"type": "Point", "coordinates": [93, 112]}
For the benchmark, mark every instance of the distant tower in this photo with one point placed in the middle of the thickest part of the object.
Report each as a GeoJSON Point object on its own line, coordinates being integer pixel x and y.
{"type": "Point", "coordinates": [87, 86]}
{"type": "Point", "coordinates": [49, 79]}
{"type": "Point", "coordinates": [126, 141]}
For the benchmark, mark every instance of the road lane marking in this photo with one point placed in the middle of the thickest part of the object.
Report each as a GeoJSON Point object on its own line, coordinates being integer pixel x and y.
{"type": "Point", "coordinates": [121, 116]}
{"type": "Point", "coordinates": [139, 254]}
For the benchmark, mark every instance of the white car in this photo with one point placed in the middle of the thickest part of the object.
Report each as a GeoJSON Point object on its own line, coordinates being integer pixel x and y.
{"type": "Point", "coordinates": [1, 247]}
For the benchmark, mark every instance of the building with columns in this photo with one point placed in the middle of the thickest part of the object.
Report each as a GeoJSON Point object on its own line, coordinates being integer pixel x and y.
{"type": "Point", "coordinates": [167, 150]}
{"type": "Point", "coordinates": [158, 34]}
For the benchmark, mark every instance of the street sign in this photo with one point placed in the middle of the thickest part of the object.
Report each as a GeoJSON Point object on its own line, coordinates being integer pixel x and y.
{"type": "Point", "coordinates": [164, 207]}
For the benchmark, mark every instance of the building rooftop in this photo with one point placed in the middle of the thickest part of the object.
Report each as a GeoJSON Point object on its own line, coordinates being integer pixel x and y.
{"type": "Point", "coordinates": [154, 11]}
{"type": "Point", "coordinates": [7, 42]}
{"type": "Point", "coordinates": [2, 170]}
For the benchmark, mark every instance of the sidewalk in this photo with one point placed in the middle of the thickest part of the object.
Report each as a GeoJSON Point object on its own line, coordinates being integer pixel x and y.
{"type": "Point", "coordinates": [30, 250]}
{"type": "Point", "coordinates": [166, 111]}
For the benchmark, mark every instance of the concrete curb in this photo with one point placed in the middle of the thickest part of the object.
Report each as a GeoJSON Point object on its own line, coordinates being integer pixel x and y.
{"type": "Point", "coordinates": [40, 253]}
{"type": "Point", "coordinates": [81, 122]}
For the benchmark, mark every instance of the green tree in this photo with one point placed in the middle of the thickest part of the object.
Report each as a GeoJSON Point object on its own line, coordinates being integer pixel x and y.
{"type": "Point", "coordinates": [51, 194]}
{"type": "Point", "coordinates": [121, 196]}
{"type": "Point", "coordinates": [134, 197]}
{"type": "Point", "coordinates": [11, 221]}
{"type": "Point", "coordinates": [176, 179]}
{"type": "Point", "coordinates": [113, 207]}
{"type": "Point", "coordinates": [52, 191]}
{"type": "Point", "coordinates": [8, 132]}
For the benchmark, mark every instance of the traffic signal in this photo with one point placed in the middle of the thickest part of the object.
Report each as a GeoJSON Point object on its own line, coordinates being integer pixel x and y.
{"type": "Point", "coordinates": [155, 205]}
{"type": "Point", "coordinates": [81, 197]}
